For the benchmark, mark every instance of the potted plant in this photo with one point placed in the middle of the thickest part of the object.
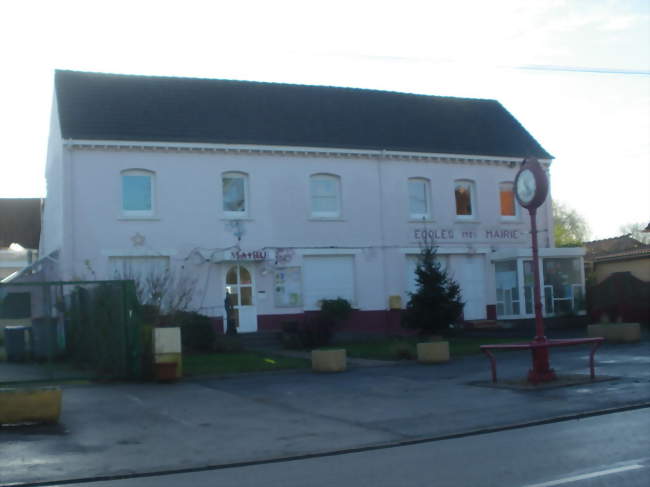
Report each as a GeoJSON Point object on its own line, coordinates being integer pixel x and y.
{"type": "Point", "coordinates": [332, 313]}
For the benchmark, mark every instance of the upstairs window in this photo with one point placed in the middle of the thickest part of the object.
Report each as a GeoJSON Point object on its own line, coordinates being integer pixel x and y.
{"type": "Point", "coordinates": [465, 199]}
{"type": "Point", "coordinates": [507, 201]}
{"type": "Point", "coordinates": [419, 199]}
{"type": "Point", "coordinates": [137, 192]}
{"type": "Point", "coordinates": [235, 194]}
{"type": "Point", "coordinates": [325, 196]}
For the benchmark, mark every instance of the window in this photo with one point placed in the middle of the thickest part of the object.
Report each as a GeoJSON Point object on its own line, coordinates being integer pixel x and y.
{"type": "Point", "coordinates": [239, 286]}
{"type": "Point", "coordinates": [563, 290]}
{"type": "Point", "coordinates": [137, 192]}
{"type": "Point", "coordinates": [465, 199]}
{"type": "Point", "coordinates": [325, 196]}
{"type": "Point", "coordinates": [327, 277]}
{"type": "Point", "coordinates": [419, 199]}
{"type": "Point", "coordinates": [508, 302]}
{"type": "Point", "coordinates": [507, 201]}
{"type": "Point", "coordinates": [235, 194]}
{"type": "Point", "coordinates": [16, 305]}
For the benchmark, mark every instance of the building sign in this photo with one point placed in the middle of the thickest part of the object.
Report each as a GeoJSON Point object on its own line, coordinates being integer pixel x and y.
{"type": "Point", "coordinates": [441, 235]}
{"type": "Point", "coordinates": [239, 254]}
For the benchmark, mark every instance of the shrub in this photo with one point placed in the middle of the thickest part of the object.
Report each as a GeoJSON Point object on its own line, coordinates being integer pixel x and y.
{"type": "Point", "coordinates": [403, 351]}
{"type": "Point", "coordinates": [335, 310]}
{"type": "Point", "coordinates": [314, 333]}
{"type": "Point", "coordinates": [318, 329]}
{"type": "Point", "coordinates": [227, 344]}
{"type": "Point", "coordinates": [290, 335]}
{"type": "Point", "coordinates": [197, 332]}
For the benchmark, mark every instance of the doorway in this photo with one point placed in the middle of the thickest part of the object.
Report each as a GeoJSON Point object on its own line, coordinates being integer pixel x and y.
{"type": "Point", "coordinates": [240, 287]}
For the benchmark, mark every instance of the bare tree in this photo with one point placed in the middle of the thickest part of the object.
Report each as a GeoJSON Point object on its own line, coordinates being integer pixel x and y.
{"type": "Point", "coordinates": [637, 231]}
{"type": "Point", "coordinates": [166, 290]}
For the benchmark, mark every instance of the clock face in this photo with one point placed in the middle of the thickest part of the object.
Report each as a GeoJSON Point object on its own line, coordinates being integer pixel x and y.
{"type": "Point", "coordinates": [526, 186]}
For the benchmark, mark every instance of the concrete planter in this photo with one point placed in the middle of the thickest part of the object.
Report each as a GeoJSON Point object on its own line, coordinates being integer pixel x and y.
{"type": "Point", "coordinates": [168, 358]}
{"type": "Point", "coordinates": [616, 332]}
{"type": "Point", "coordinates": [328, 360]}
{"type": "Point", "coordinates": [30, 405]}
{"type": "Point", "coordinates": [433, 352]}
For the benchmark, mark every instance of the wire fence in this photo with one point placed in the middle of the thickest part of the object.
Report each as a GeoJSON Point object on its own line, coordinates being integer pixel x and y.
{"type": "Point", "coordinates": [60, 330]}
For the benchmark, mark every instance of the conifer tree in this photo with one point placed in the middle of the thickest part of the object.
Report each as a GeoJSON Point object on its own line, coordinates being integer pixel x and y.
{"type": "Point", "coordinates": [437, 302]}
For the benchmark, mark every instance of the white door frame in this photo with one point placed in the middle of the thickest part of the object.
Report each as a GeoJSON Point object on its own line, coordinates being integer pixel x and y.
{"type": "Point", "coordinates": [246, 314]}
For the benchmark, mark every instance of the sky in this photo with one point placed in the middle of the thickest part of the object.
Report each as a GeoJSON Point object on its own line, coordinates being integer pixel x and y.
{"type": "Point", "coordinates": [575, 73]}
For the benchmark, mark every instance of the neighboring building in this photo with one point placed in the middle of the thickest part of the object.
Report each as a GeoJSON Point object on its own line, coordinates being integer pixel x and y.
{"type": "Point", "coordinates": [620, 279]}
{"type": "Point", "coordinates": [20, 228]}
{"type": "Point", "coordinates": [287, 194]}
{"type": "Point", "coordinates": [618, 254]}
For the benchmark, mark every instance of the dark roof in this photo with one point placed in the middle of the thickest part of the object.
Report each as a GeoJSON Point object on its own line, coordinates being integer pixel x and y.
{"type": "Point", "coordinates": [20, 222]}
{"type": "Point", "coordinates": [614, 246]}
{"type": "Point", "coordinates": [142, 108]}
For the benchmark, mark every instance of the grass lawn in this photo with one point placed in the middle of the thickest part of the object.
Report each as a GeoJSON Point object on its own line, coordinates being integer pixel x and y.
{"type": "Point", "coordinates": [396, 348]}
{"type": "Point", "coordinates": [227, 363]}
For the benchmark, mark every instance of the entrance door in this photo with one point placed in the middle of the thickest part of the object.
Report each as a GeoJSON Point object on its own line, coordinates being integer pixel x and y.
{"type": "Point", "coordinates": [239, 284]}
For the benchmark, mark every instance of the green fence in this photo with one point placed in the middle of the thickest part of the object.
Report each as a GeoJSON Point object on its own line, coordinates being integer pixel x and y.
{"type": "Point", "coordinates": [69, 330]}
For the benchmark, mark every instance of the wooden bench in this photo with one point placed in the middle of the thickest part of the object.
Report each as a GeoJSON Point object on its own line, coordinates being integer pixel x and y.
{"type": "Point", "coordinates": [596, 342]}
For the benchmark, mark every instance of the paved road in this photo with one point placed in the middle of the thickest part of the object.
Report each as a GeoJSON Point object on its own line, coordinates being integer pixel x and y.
{"type": "Point", "coordinates": [608, 450]}
{"type": "Point", "coordinates": [117, 429]}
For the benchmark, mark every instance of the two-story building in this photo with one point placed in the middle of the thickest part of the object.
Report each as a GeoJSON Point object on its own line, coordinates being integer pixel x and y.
{"type": "Point", "coordinates": [287, 194]}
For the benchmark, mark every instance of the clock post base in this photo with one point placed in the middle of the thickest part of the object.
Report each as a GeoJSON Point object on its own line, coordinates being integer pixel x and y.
{"type": "Point", "coordinates": [541, 371]}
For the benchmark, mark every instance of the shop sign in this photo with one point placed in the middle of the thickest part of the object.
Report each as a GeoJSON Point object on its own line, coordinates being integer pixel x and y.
{"type": "Point", "coordinates": [239, 254]}
{"type": "Point", "coordinates": [478, 235]}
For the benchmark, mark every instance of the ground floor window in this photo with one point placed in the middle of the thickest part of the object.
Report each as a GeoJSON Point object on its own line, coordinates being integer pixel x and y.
{"type": "Point", "coordinates": [561, 281]}
{"type": "Point", "coordinates": [507, 288]}
{"type": "Point", "coordinates": [563, 289]}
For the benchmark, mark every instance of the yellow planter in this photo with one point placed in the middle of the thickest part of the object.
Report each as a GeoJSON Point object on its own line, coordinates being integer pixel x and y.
{"type": "Point", "coordinates": [616, 332]}
{"type": "Point", "coordinates": [30, 405]}
{"type": "Point", "coordinates": [433, 352]}
{"type": "Point", "coordinates": [328, 360]}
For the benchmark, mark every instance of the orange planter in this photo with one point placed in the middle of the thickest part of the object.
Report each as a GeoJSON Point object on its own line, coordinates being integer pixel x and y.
{"type": "Point", "coordinates": [166, 371]}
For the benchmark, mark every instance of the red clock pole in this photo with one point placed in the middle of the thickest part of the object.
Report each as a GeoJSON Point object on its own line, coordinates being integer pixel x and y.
{"type": "Point", "coordinates": [541, 371]}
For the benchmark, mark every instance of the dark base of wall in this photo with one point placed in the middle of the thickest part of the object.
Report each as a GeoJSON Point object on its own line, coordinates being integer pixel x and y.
{"type": "Point", "coordinates": [388, 323]}
{"type": "Point", "coordinates": [385, 322]}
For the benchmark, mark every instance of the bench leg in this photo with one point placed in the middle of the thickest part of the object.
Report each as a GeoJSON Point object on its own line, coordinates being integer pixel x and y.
{"type": "Point", "coordinates": [592, 368]}
{"type": "Point", "coordinates": [493, 364]}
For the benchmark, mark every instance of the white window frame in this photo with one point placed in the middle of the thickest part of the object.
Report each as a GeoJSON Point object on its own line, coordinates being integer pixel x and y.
{"type": "Point", "coordinates": [471, 185]}
{"type": "Point", "coordinates": [138, 213]}
{"type": "Point", "coordinates": [325, 214]}
{"type": "Point", "coordinates": [503, 217]}
{"type": "Point", "coordinates": [236, 214]}
{"type": "Point", "coordinates": [427, 199]}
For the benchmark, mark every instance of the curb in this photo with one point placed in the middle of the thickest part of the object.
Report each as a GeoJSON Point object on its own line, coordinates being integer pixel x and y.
{"type": "Point", "coordinates": [331, 453]}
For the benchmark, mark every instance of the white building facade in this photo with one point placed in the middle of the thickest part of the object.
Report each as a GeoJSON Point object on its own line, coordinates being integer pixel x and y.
{"type": "Point", "coordinates": [281, 227]}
